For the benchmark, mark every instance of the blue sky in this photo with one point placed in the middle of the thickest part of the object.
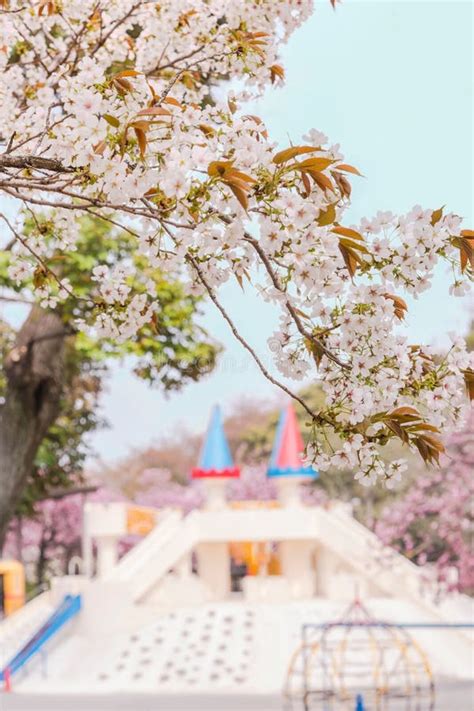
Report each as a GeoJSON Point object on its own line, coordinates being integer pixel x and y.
{"type": "Point", "coordinates": [391, 82]}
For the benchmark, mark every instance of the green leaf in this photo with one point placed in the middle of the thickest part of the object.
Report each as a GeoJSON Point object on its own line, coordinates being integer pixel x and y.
{"type": "Point", "coordinates": [111, 120]}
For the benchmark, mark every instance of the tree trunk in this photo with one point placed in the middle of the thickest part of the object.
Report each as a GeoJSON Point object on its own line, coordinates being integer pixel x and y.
{"type": "Point", "coordinates": [41, 565]}
{"type": "Point", "coordinates": [34, 371]}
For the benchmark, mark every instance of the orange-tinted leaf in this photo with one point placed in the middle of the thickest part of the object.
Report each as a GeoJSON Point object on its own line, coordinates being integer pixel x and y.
{"type": "Point", "coordinates": [400, 305]}
{"type": "Point", "coordinates": [240, 280]}
{"type": "Point", "coordinates": [437, 215]}
{"type": "Point", "coordinates": [349, 244]}
{"type": "Point", "coordinates": [347, 232]}
{"type": "Point", "coordinates": [404, 410]}
{"type": "Point", "coordinates": [218, 168]}
{"type": "Point", "coordinates": [151, 192]}
{"type": "Point", "coordinates": [349, 260]}
{"type": "Point", "coordinates": [172, 101]}
{"type": "Point", "coordinates": [40, 276]}
{"type": "Point", "coordinates": [122, 85]}
{"type": "Point", "coordinates": [321, 180]}
{"type": "Point", "coordinates": [126, 73]}
{"type": "Point", "coordinates": [423, 426]}
{"type": "Point", "coordinates": [238, 175]}
{"type": "Point", "coordinates": [276, 72]}
{"type": "Point", "coordinates": [314, 164]}
{"type": "Point", "coordinates": [342, 183]}
{"type": "Point", "coordinates": [348, 169]}
{"type": "Point", "coordinates": [207, 130]}
{"type": "Point", "coordinates": [327, 216]}
{"type": "Point", "coordinates": [258, 121]}
{"type": "Point", "coordinates": [141, 125]}
{"type": "Point", "coordinates": [315, 348]}
{"type": "Point", "coordinates": [240, 194]}
{"type": "Point", "coordinates": [397, 429]}
{"type": "Point", "coordinates": [48, 6]}
{"type": "Point", "coordinates": [306, 184]}
{"type": "Point", "coordinates": [465, 244]}
{"type": "Point", "coordinates": [99, 148]}
{"type": "Point", "coordinates": [141, 138]}
{"type": "Point", "coordinates": [434, 446]}
{"type": "Point", "coordinates": [154, 111]}
{"type": "Point", "coordinates": [232, 105]}
{"type": "Point", "coordinates": [292, 152]}
{"type": "Point", "coordinates": [423, 449]}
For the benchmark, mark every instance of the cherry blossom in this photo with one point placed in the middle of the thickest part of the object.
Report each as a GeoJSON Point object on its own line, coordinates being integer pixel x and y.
{"type": "Point", "coordinates": [108, 109]}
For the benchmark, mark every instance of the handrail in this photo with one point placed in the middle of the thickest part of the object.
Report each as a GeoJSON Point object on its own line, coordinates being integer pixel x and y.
{"type": "Point", "coordinates": [18, 627]}
{"type": "Point", "coordinates": [183, 543]}
{"type": "Point", "coordinates": [406, 577]}
{"type": "Point", "coordinates": [134, 558]}
{"type": "Point", "coordinates": [69, 607]}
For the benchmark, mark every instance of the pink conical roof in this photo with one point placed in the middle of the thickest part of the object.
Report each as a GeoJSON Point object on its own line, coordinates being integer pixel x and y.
{"type": "Point", "coordinates": [288, 449]}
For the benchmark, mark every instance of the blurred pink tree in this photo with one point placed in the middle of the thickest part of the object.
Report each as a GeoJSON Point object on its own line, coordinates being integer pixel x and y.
{"type": "Point", "coordinates": [434, 522]}
{"type": "Point", "coordinates": [157, 488]}
{"type": "Point", "coordinates": [254, 484]}
{"type": "Point", "coordinates": [47, 540]}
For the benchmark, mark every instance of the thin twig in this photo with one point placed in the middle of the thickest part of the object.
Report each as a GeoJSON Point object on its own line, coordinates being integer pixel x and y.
{"type": "Point", "coordinates": [16, 300]}
{"type": "Point", "coordinates": [189, 258]}
{"type": "Point", "coordinates": [37, 256]}
{"type": "Point", "coordinates": [290, 308]}
{"type": "Point", "coordinates": [245, 344]}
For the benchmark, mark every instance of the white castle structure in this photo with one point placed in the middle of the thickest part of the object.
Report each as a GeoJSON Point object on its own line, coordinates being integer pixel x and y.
{"type": "Point", "coordinates": [173, 615]}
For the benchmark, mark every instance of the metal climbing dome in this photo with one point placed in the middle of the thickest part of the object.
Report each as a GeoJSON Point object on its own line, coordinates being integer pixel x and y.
{"type": "Point", "coordinates": [355, 653]}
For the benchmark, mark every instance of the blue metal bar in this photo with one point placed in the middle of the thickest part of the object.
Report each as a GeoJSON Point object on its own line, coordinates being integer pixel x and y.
{"type": "Point", "coordinates": [68, 609]}
{"type": "Point", "coordinates": [404, 625]}
{"type": "Point", "coordinates": [437, 625]}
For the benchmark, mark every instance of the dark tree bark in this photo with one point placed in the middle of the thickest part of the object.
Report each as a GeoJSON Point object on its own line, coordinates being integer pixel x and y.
{"type": "Point", "coordinates": [28, 161]}
{"type": "Point", "coordinates": [34, 369]}
{"type": "Point", "coordinates": [41, 564]}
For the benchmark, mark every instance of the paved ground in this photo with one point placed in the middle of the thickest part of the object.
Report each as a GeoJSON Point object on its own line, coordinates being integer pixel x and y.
{"type": "Point", "coordinates": [451, 696]}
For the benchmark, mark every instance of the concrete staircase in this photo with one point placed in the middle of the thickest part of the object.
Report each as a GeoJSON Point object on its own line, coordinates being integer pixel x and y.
{"type": "Point", "coordinates": [160, 551]}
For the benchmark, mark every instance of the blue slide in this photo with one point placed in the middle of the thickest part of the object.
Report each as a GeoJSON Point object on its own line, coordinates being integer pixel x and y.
{"type": "Point", "coordinates": [68, 609]}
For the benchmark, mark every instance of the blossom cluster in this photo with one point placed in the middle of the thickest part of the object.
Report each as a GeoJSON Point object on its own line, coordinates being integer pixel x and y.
{"type": "Point", "coordinates": [433, 522]}
{"type": "Point", "coordinates": [108, 110]}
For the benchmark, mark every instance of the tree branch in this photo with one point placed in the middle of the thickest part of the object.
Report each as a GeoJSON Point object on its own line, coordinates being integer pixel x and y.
{"type": "Point", "coordinates": [63, 493]}
{"type": "Point", "coordinates": [16, 300]}
{"type": "Point", "coordinates": [289, 307]}
{"type": "Point", "coordinates": [35, 162]}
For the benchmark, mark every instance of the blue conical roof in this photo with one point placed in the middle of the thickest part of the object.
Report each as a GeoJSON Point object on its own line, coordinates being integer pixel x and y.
{"type": "Point", "coordinates": [215, 459]}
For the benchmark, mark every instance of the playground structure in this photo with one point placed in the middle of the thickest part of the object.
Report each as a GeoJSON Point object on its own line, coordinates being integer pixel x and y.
{"type": "Point", "coordinates": [12, 587]}
{"type": "Point", "coordinates": [337, 657]}
{"type": "Point", "coordinates": [170, 616]}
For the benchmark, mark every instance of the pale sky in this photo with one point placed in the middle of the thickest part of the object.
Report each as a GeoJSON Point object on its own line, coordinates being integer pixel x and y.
{"type": "Point", "coordinates": [392, 83]}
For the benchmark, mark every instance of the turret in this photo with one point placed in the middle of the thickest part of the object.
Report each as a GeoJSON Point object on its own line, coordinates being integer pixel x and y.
{"type": "Point", "coordinates": [287, 467]}
{"type": "Point", "coordinates": [215, 464]}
